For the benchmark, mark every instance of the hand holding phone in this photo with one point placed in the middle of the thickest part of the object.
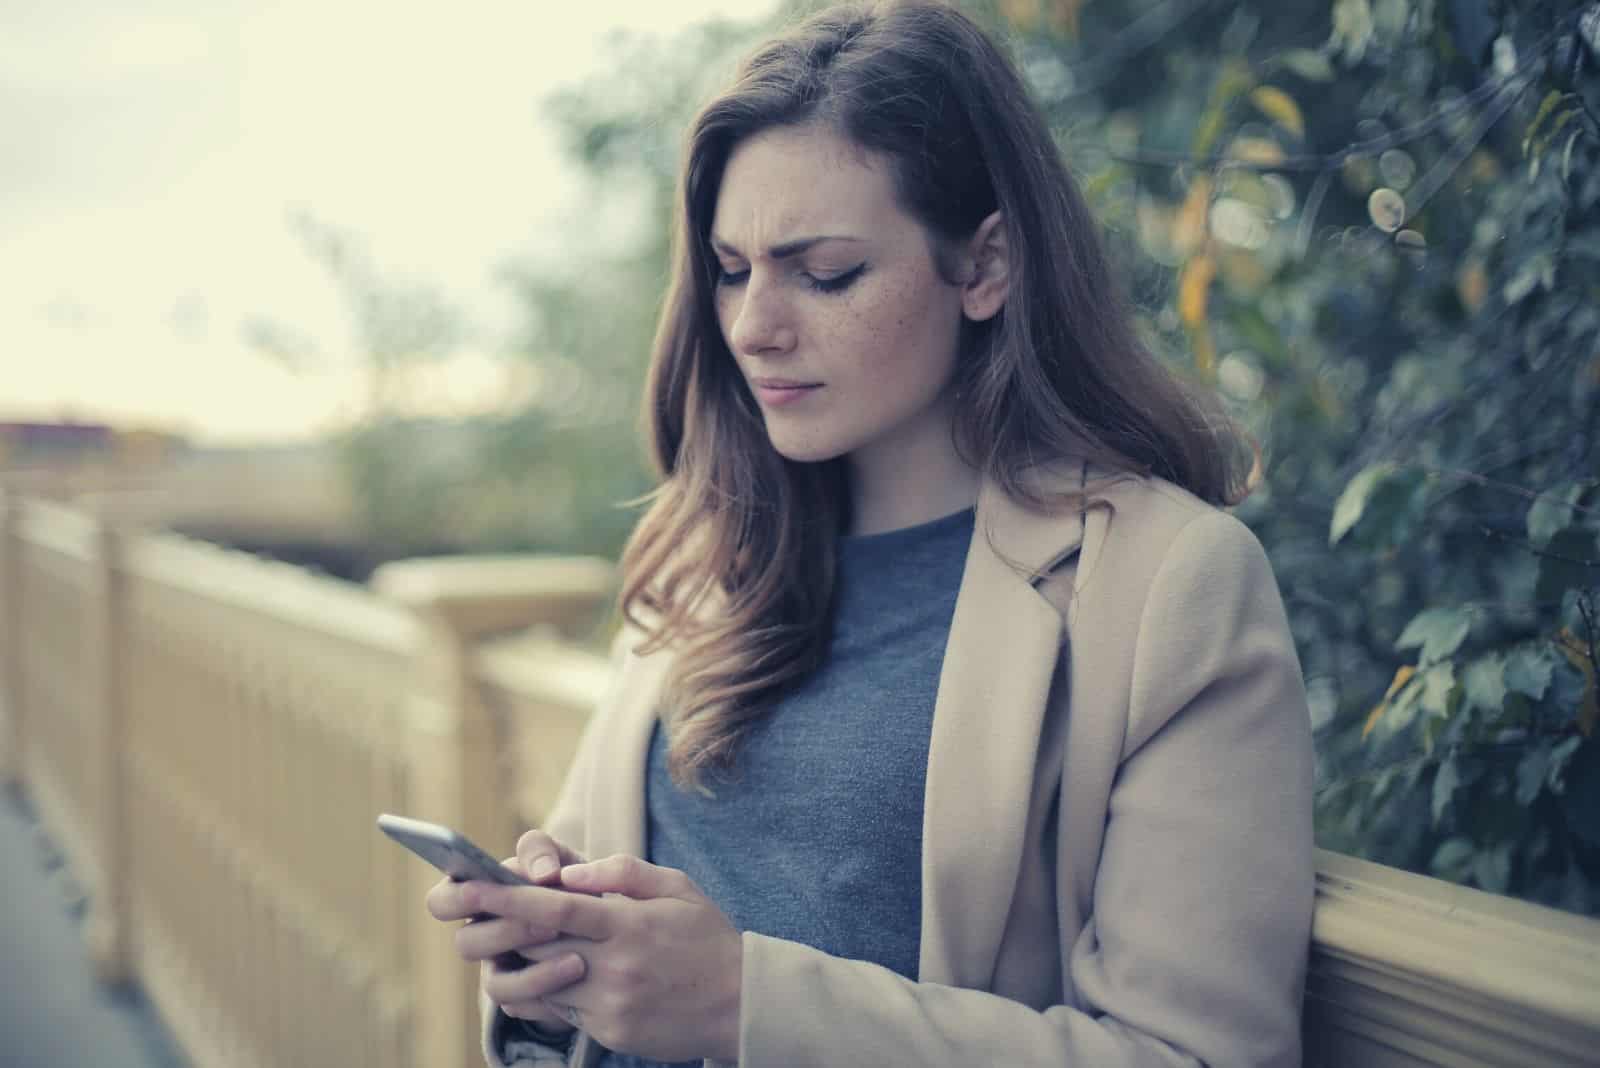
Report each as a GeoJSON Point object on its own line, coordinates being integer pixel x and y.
{"type": "Point", "coordinates": [458, 857]}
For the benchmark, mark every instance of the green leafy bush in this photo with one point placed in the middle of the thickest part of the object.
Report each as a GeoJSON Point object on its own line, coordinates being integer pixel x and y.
{"type": "Point", "coordinates": [1374, 227]}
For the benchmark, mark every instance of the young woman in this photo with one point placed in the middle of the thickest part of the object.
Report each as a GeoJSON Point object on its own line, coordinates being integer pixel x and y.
{"type": "Point", "coordinates": [954, 723]}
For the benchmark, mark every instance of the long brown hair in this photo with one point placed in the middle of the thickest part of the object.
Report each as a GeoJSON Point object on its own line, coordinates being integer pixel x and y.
{"type": "Point", "coordinates": [733, 564]}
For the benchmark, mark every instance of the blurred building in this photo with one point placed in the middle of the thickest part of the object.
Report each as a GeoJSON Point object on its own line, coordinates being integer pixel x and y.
{"type": "Point", "coordinates": [67, 446]}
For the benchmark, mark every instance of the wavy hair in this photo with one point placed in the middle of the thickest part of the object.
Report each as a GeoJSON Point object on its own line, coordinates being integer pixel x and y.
{"type": "Point", "coordinates": [733, 564]}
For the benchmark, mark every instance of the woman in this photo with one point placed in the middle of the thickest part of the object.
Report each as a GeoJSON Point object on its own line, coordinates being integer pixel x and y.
{"type": "Point", "coordinates": [954, 723]}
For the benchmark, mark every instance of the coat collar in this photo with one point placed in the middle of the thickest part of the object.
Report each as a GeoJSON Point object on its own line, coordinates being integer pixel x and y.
{"type": "Point", "coordinates": [1034, 540]}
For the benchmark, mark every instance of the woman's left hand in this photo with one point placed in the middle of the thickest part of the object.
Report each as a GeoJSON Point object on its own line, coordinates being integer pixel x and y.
{"type": "Point", "coordinates": [663, 964]}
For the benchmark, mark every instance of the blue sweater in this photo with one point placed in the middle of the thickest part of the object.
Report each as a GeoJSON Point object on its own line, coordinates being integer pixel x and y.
{"type": "Point", "coordinates": [816, 834]}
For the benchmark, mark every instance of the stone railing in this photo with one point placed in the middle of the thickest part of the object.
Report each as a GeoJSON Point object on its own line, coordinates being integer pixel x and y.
{"type": "Point", "coordinates": [209, 736]}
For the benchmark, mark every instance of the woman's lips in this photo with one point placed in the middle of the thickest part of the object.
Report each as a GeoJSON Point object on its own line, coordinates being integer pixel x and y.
{"type": "Point", "coordinates": [773, 396]}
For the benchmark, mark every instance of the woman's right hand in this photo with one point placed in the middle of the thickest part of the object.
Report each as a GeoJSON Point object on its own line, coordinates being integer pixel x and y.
{"type": "Point", "coordinates": [494, 940]}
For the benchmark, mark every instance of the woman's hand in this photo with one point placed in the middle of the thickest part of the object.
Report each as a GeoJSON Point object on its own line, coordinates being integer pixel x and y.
{"type": "Point", "coordinates": [661, 964]}
{"type": "Point", "coordinates": [498, 942]}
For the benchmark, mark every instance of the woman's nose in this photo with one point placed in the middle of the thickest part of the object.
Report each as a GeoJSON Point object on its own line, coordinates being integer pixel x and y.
{"type": "Point", "coordinates": [760, 322]}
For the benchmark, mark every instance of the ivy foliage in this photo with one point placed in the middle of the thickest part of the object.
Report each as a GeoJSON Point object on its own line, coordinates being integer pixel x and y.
{"type": "Point", "coordinates": [1374, 226]}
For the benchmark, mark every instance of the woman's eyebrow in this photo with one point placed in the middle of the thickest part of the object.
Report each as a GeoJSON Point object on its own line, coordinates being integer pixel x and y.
{"type": "Point", "coordinates": [785, 249]}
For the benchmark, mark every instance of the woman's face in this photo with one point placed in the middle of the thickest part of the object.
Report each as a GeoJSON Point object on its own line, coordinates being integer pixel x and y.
{"type": "Point", "coordinates": [830, 301]}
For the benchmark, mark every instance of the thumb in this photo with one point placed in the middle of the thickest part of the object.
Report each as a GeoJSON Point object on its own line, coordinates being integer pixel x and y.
{"type": "Point", "coordinates": [542, 856]}
{"type": "Point", "coordinates": [628, 875]}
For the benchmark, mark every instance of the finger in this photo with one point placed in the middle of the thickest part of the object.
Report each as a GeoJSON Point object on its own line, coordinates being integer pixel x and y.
{"type": "Point", "coordinates": [539, 1012]}
{"type": "Point", "coordinates": [487, 939]}
{"type": "Point", "coordinates": [514, 988]}
{"type": "Point", "coordinates": [445, 902]}
{"type": "Point", "coordinates": [542, 856]}
{"type": "Point", "coordinates": [544, 907]}
{"type": "Point", "coordinates": [628, 875]}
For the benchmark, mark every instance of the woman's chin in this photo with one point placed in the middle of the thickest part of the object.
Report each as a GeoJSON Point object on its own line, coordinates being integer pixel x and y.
{"type": "Point", "coordinates": [805, 452]}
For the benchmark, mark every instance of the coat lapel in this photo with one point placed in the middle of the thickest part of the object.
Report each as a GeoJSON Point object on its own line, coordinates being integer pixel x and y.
{"type": "Point", "coordinates": [616, 809]}
{"type": "Point", "coordinates": [1005, 641]}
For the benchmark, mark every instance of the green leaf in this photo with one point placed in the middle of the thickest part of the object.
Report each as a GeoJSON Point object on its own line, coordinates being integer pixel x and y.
{"type": "Point", "coordinates": [1312, 66]}
{"type": "Point", "coordinates": [1547, 105]}
{"type": "Point", "coordinates": [1550, 513]}
{"type": "Point", "coordinates": [1531, 772]}
{"type": "Point", "coordinates": [1485, 682]}
{"type": "Point", "coordinates": [1389, 17]}
{"type": "Point", "coordinates": [1453, 859]}
{"type": "Point", "coordinates": [1537, 272]}
{"type": "Point", "coordinates": [1353, 501]}
{"type": "Point", "coordinates": [1445, 784]}
{"type": "Point", "coordinates": [1260, 334]}
{"type": "Point", "coordinates": [1439, 631]}
{"type": "Point", "coordinates": [1556, 766]}
{"type": "Point", "coordinates": [1528, 670]}
{"type": "Point", "coordinates": [1438, 686]}
{"type": "Point", "coordinates": [1491, 868]}
{"type": "Point", "coordinates": [1352, 28]}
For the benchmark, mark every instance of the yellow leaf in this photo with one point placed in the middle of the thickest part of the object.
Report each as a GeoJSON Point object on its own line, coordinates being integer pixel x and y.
{"type": "Point", "coordinates": [1194, 289]}
{"type": "Point", "coordinates": [1263, 151]}
{"type": "Point", "coordinates": [1401, 677]}
{"type": "Point", "coordinates": [1472, 284]}
{"type": "Point", "coordinates": [1189, 229]}
{"type": "Point", "coordinates": [1258, 471]}
{"type": "Point", "coordinates": [1280, 107]}
{"type": "Point", "coordinates": [1205, 351]}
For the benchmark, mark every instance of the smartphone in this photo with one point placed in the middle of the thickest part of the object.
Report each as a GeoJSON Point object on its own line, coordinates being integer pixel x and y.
{"type": "Point", "coordinates": [450, 851]}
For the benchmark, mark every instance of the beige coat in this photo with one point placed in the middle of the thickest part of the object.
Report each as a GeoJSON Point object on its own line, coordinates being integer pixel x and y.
{"type": "Point", "coordinates": [1117, 844]}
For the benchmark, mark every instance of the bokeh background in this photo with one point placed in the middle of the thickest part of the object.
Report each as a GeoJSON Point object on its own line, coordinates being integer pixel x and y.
{"type": "Point", "coordinates": [399, 266]}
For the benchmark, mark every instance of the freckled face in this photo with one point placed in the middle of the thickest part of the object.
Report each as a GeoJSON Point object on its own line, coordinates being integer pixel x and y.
{"type": "Point", "coordinates": [830, 301]}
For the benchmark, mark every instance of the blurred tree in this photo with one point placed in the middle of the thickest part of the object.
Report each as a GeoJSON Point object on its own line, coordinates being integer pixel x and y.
{"type": "Point", "coordinates": [401, 469]}
{"type": "Point", "coordinates": [591, 316]}
{"type": "Point", "coordinates": [557, 473]}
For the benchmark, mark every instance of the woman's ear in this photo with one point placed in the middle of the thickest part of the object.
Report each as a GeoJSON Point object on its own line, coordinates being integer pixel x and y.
{"type": "Point", "coordinates": [984, 292]}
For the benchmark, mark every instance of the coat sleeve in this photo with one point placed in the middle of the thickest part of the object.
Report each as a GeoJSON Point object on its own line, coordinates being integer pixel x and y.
{"type": "Point", "coordinates": [1195, 950]}
{"type": "Point", "coordinates": [565, 824]}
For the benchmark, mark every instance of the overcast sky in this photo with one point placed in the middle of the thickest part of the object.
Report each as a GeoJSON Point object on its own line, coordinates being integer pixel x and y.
{"type": "Point", "coordinates": [152, 153]}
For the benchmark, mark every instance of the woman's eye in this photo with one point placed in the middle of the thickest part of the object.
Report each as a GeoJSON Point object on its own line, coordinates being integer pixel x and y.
{"type": "Point", "coordinates": [835, 283]}
{"type": "Point", "coordinates": [726, 277]}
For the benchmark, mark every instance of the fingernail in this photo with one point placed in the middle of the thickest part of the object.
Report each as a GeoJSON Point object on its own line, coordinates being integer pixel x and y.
{"type": "Point", "coordinates": [544, 867]}
{"type": "Point", "coordinates": [572, 967]}
{"type": "Point", "coordinates": [575, 873]}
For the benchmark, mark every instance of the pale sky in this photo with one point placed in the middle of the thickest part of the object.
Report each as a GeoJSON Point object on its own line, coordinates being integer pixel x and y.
{"type": "Point", "coordinates": [153, 153]}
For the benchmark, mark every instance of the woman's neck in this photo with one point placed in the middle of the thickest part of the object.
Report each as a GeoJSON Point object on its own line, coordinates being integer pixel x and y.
{"type": "Point", "coordinates": [896, 487]}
